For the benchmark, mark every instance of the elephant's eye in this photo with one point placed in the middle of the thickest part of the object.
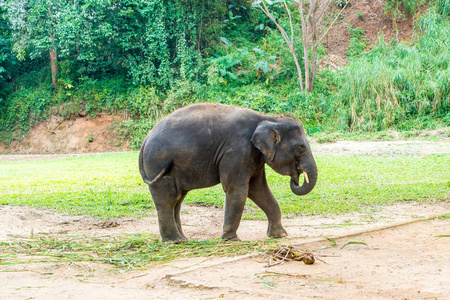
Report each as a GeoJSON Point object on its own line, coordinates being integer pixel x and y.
{"type": "Point", "coordinates": [299, 149]}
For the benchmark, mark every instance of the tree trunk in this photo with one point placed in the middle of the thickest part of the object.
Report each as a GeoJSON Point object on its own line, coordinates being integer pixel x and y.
{"type": "Point", "coordinates": [297, 65]}
{"type": "Point", "coordinates": [53, 66]}
{"type": "Point", "coordinates": [53, 61]}
{"type": "Point", "coordinates": [305, 37]}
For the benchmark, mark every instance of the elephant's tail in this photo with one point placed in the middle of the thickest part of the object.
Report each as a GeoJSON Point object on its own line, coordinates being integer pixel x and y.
{"type": "Point", "coordinates": [166, 169]}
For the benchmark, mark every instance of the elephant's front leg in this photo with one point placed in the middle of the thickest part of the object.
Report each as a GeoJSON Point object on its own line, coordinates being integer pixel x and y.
{"type": "Point", "coordinates": [260, 193]}
{"type": "Point", "coordinates": [236, 191]}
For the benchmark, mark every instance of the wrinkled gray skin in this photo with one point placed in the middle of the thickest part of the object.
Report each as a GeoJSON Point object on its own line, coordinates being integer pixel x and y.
{"type": "Point", "coordinates": [205, 144]}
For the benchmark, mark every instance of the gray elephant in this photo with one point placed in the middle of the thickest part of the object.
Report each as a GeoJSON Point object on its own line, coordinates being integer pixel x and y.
{"type": "Point", "coordinates": [202, 145]}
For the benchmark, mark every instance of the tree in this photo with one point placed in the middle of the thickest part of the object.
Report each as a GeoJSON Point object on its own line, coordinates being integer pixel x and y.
{"type": "Point", "coordinates": [154, 42]}
{"type": "Point", "coordinates": [392, 8]}
{"type": "Point", "coordinates": [311, 14]}
{"type": "Point", "coordinates": [8, 63]}
{"type": "Point", "coordinates": [34, 26]}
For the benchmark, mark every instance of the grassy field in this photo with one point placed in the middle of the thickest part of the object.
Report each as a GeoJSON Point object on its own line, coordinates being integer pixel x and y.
{"type": "Point", "coordinates": [109, 185]}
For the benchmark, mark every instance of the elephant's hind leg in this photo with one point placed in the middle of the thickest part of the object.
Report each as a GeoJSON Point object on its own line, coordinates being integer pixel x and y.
{"type": "Point", "coordinates": [167, 201]}
{"type": "Point", "coordinates": [177, 214]}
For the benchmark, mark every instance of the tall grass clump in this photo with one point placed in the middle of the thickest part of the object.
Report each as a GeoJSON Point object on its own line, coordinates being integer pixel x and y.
{"type": "Point", "coordinates": [443, 7]}
{"type": "Point", "coordinates": [400, 85]}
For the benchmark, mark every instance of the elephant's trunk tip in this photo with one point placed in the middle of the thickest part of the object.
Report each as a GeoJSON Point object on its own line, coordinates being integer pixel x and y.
{"type": "Point", "coordinates": [310, 179]}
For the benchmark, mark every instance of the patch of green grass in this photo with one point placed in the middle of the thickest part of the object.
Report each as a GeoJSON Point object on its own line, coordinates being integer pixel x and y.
{"type": "Point", "coordinates": [444, 216]}
{"type": "Point", "coordinates": [385, 135]}
{"type": "Point", "coordinates": [102, 185]}
{"type": "Point", "coordinates": [351, 183]}
{"type": "Point", "coordinates": [109, 185]}
{"type": "Point", "coordinates": [128, 251]}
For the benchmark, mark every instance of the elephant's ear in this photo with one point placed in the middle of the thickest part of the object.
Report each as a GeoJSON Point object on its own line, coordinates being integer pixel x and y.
{"type": "Point", "coordinates": [266, 138]}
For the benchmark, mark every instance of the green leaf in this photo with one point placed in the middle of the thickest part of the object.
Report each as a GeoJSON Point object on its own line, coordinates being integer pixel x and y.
{"type": "Point", "coordinates": [442, 235]}
{"type": "Point", "coordinates": [266, 67]}
{"type": "Point", "coordinates": [353, 243]}
{"type": "Point", "coordinates": [233, 63]}
{"type": "Point", "coordinates": [259, 64]}
{"type": "Point", "coordinates": [244, 51]}
{"type": "Point", "coordinates": [232, 76]}
{"type": "Point", "coordinates": [225, 41]}
{"type": "Point", "coordinates": [260, 52]}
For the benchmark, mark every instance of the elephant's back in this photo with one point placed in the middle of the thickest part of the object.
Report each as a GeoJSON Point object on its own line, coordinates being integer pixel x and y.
{"type": "Point", "coordinates": [199, 128]}
{"type": "Point", "coordinates": [205, 119]}
{"type": "Point", "coordinates": [208, 112]}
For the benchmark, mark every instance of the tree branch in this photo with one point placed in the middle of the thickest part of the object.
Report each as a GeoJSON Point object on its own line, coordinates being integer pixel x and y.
{"type": "Point", "coordinates": [334, 21]}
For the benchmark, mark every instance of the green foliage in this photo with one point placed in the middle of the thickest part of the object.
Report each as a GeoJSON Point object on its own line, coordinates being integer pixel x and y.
{"type": "Point", "coordinates": [360, 15]}
{"type": "Point", "coordinates": [392, 7]}
{"type": "Point", "coordinates": [411, 6]}
{"type": "Point", "coordinates": [399, 85]}
{"type": "Point", "coordinates": [8, 64]}
{"type": "Point", "coordinates": [153, 42]}
{"type": "Point", "coordinates": [144, 59]}
{"type": "Point", "coordinates": [262, 66]}
{"type": "Point", "coordinates": [221, 69]}
{"type": "Point", "coordinates": [23, 108]}
{"type": "Point", "coordinates": [443, 7]}
{"type": "Point", "coordinates": [358, 42]}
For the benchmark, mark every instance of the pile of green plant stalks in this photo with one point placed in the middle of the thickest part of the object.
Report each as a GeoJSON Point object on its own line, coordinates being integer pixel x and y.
{"type": "Point", "coordinates": [127, 251]}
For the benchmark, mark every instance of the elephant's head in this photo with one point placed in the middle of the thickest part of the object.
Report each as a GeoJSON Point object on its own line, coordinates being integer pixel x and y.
{"type": "Point", "coordinates": [287, 151]}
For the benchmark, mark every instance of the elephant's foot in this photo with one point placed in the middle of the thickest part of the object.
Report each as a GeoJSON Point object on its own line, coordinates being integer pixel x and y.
{"type": "Point", "coordinates": [178, 239]}
{"type": "Point", "coordinates": [231, 238]}
{"type": "Point", "coordinates": [277, 232]}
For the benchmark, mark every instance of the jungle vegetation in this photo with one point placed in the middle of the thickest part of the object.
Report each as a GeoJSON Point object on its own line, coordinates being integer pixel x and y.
{"type": "Point", "coordinates": [145, 59]}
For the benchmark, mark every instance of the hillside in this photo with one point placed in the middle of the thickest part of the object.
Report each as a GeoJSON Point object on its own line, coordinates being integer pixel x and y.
{"type": "Point", "coordinates": [370, 17]}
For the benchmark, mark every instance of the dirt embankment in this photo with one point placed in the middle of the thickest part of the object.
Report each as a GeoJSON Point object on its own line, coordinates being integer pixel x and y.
{"type": "Point", "coordinates": [77, 135]}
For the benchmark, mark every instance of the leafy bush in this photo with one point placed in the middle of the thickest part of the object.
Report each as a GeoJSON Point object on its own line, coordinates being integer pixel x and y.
{"type": "Point", "coordinates": [443, 7]}
{"type": "Point", "coordinates": [399, 85]}
{"type": "Point", "coordinates": [358, 42]}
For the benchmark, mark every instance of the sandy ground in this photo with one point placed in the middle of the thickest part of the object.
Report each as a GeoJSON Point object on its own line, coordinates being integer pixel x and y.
{"type": "Point", "coordinates": [401, 262]}
{"type": "Point", "coordinates": [398, 262]}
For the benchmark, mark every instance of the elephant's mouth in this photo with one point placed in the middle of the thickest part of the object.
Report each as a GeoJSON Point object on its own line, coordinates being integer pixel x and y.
{"type": "Point", "coordinates": [310, 178]}
{"type": "Point", "coordinates": [295, 178]}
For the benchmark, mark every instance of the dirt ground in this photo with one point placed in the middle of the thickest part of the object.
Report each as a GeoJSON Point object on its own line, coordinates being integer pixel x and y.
{"type": "Point", "coordinates": [404, 261]}
{"type": "Point", "coordinates": [401, 258]}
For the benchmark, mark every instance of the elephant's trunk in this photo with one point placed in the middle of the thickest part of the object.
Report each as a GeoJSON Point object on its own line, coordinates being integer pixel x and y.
{"type": "Point", "coordinates": [310, 178]}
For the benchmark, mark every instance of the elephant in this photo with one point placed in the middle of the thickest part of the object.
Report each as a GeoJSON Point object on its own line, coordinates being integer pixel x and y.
{"type": "Point", "coordinates": [205, 144]}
